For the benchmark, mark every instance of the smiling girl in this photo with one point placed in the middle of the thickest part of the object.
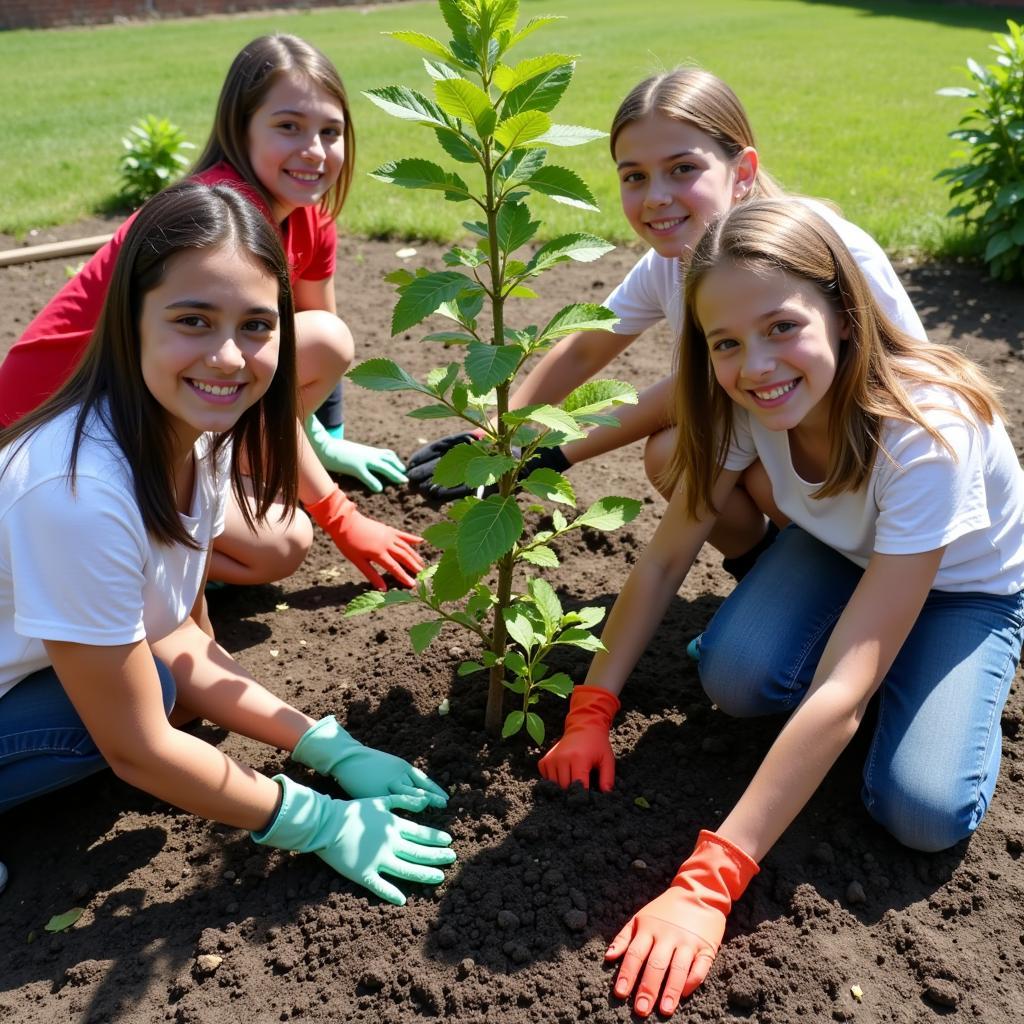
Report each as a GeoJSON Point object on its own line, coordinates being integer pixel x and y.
{"type": "Point", "coordinates": [901, 573]}
{"type": "Point", "coordinates": [283, 137]}
{"type": "Point", "coordinates": [684, 152]}
{"type": "Point", "coordinates": [111, 494]}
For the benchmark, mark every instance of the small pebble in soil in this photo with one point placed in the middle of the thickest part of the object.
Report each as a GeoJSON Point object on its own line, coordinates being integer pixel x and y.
{"type": "Point", "coordinates": [855, 893]}
{"type": "Point", "coordinates": [639, 865]}
{"type": "Point", "coordinates": [466, 967]}
{"type": "Point", "coordinates": [941, 992]}
{"type": "Point", "coordinates": [207, 963]}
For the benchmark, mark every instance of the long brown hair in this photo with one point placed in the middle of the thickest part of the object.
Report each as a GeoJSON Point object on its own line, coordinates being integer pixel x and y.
{"type": "Point", "coordinates": [876, 363]}
{"type": "Point", "coordinates": [251, 76]}
{"type": "Point", "coordinates": [702, 99]}
{"type": "Point", "coordinates": [108, 382]}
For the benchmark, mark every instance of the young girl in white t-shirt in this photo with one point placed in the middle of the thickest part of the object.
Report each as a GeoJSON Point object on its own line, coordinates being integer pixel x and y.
{"type": "Point", "coordinates": [901, 572]}
{"type": "Point", "coordinates": [111, 494]}
{"type": "Point", "coordinates": [685, 153]}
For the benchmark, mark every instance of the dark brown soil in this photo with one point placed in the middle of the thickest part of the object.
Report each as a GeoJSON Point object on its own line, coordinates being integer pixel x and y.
{"type": "Point", "coordinates": [544, 878]}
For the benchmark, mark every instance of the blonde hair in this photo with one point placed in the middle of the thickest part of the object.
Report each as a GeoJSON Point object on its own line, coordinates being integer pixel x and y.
{"type": "Point", "coordinates": [876, 363]}
{"type": "Point", "coordinates": [251, 76]}
{"type": "Point", "coordinates": [702, 99]}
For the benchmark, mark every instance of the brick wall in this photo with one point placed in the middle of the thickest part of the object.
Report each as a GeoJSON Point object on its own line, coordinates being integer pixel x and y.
{"type": "Point", "coordinates": [51, 13]}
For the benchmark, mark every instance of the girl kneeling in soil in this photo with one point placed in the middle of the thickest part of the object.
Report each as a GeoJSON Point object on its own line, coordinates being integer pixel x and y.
{"type": "Point", "coordinates": [901, 572]}
{"type": "Point", "coordinates": [110, 496]}
{"type": "Point", "coordinates": [685, 154]}
{"type": "Point", "coordinates": [283, 137]}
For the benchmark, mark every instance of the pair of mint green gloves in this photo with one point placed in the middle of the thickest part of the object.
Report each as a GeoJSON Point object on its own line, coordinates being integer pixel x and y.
{"type": "Point", "coordinates": [361, 838]}
{"type": "Point", "coordinates": [362, 461]}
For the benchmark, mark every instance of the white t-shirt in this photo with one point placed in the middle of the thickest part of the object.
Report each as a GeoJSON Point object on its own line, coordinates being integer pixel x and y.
{"type": "Point", "coordinates": [920, 500]}
{"type": "Point", "coordinates": [652, 291]}
{"type": "Point", "coordinates": [80, 567]}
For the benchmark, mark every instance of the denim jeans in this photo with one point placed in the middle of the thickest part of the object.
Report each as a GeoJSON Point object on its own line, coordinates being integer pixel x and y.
{"type": "Point", "coordinates": [934, 757]}
{"type": "Point", "coordinates": [43, 743]}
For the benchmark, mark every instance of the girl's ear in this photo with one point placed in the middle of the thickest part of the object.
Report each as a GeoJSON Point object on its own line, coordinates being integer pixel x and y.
{"type": "Point", "coordinates": [746, 164]}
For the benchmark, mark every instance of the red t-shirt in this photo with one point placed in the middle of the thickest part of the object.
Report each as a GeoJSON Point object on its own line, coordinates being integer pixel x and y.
{"type": "Point", "coordinates": [43, 358]}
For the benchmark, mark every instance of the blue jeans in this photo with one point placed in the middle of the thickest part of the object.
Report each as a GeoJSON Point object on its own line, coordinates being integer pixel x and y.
{"type": "Point", "coordinates": [43, 743]}
{"type": "Point", "coordinates": [934, 756]}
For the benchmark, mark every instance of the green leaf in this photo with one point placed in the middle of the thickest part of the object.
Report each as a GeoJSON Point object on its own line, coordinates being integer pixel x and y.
{"type": "Point", "coordinates": [1017, 232]}
{"type": "Point", "coordinates": [558, 520]}
{"type": "Point", "coordinates": [520, 628]}
{"type": "Point", "coordinates": [451, 467]}
{"type": "Point", "coordinates": [520, 165]}
{"type": "Point", "coordinates": [385, 375]}
{"type": "Point", "coordinates": [424, 295]}
{"type": "Point", "coordinates": [467, 668]}
{"type": "Point", "coordinates": [431, 412]}
{"type": "Point", "coordinates": [587, 617]}
{"type": "Point", "coordinates": [540, 93]}
{"type": "Point", "coordinates": [535, 727]}
{"type": "Point", "coordinates": [643, 803]}
{"type": "Point", "coordinates": [515, 228]}
{"type": "Point", "coordinates": [373, 600]}
{"type": "Point", "coordinates": [997, 245]}
{"type": "Point", "coordinates": [480, 602]}
{"type": "Point", "coordinates": [442, 535]}
{"type": "Point", "coordinates": [955, 90]}
{"type": "Point", "coordinates": [441, 378]}
{"type": "Point", "coordinates": [562, 185]}
{"type": "Point", "coordinates": [61, 922]}
{"type": "Point", "coordinates": [487, 366]}
{"type": "Point", "coordinates": [609, 513]}
{"type": "Point", "coordinates": [540, 555]}
{"type": "Point", "coordinates": [546, 602]}
{"type": "Point", "coordinates": [581, 316]}
{"type": "Point", "coordinates": [581, 638]}
{"type": "Point", "coordinates": [450, 583]}
{"type": "Point", "coordinates": [513, 723]}
{"type": "Point", "coordinates": [456, 146]}
{"type": "Point", "coordinates": [503, 15]}
{"type": "Point", "coordinates": [400, 277]}
{"type": "Point", "coordinates": [599, 394]}
{"type": "Point", "coordinates": [515, 685]}
{"type": "Point", "coordinates": [522, 128]}
{"type": "Point", "coordinates": [407, 104]}
{"type": "Point", "coordinates": [579, 246]}
{"type": "Point", "coordinates": [449, 337]}
{"type": "Point", "coordinates": [516, 663]}
{"type": "Point", "coordinates": [506, 78]}
{"type": "Point", "coordinates": [416, 173]}
{"type": "Point", "coordinates": [488, 469]}
{"type": "Point", "coordinates": [532, 25]}
{"type": "Point", "coordinates": [570, 135]}
{"type": "Point", "coordinates": [554, 419]}
{"type": "Point", "coordinates": [559, 684]}
{"type": "Point", "coordinates": [467, 102]}
{"type": "Point", "coordinates": [489, 530]}
{"type": "Point", "coordinates": [550, 485]}
{"type": "Point", "coordinates": [438, 70]}
{"type": "Point", "coordinates": [423, 634]}
{"type": "Point", "coordinates": [423, 42]}
{"type": "Point", "coordinates": [1010, 194]}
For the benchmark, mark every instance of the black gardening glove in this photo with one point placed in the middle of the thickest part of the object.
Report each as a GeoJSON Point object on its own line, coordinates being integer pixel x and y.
{"type": "Point", "coordinates": [421, 464]}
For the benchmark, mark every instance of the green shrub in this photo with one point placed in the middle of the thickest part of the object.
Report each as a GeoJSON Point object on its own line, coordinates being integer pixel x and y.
{"type": "Point", "coordinates": [152, 159]}
{"type": "Point", "coordinates": [499, 133]}
{"type": "Point", "coordinates": [988, 186]}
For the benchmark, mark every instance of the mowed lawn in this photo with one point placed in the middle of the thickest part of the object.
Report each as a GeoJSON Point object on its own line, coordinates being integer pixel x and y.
{"type": "Point", "coordinates": [841, 95]}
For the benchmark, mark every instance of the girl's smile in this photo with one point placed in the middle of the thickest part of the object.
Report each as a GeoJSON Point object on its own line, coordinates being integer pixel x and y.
{"type": "Point", "coordinates": [209, 339]}
{"type": "Point", "coordinates": [296, 143]}
{"type": "Point", "coordinates": [774, 344]}
{"type": "Point", "coordinates": [674, 179]}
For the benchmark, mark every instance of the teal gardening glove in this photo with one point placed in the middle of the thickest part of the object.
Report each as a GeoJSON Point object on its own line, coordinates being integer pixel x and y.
{"type": "Point", "coordinates": [362, 461]}
{"type": "Point", "coordinates": [362, 771]}
{"type": "Point", "coordinates": [360, 839]}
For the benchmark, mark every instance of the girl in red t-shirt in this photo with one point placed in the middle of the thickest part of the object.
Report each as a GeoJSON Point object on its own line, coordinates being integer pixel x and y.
{"type": "Point", "coordinates": [283, 136]}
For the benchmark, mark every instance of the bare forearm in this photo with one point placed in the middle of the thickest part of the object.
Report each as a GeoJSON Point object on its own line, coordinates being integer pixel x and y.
{"type": "Point", "coordinates": [211, 684]}
{"type": "Point", "coordinates": [314, 481]}
{"type": "Point", "coordinates": [197, 777]}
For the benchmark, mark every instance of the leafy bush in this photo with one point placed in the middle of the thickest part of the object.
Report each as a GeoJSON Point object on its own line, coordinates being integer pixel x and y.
{"type": "Point", "coordinates": [989, 186]}
{"type": "Point", "coordinates": [153, 158]}
{"type": "Point", "coordinates": [501, 130]}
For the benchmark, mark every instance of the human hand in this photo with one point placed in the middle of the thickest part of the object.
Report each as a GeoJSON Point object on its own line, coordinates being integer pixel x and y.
{"type": "Point", "coordinates": [585, 743]}
{"type": "Point", "coordinates": [366, 542]}
{"type": "Point", "coordinates": [363, 771]}
{"type": "Point", "coordinates": [423, 462]}
{"type": "Point", "coordinates": [361, 839]}
{"type": "Point", "coordinates": [679, 932]}
{"type": "Point", "coordinates": [362, 461]}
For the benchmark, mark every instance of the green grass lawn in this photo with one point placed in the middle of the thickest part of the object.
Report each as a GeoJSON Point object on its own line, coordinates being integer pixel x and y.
{"type": "Point", "coordinates": [841, 95]}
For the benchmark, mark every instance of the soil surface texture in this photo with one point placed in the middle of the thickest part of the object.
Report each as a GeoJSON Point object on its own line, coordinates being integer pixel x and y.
{"type": "Point", "coordinates": [190, 922]}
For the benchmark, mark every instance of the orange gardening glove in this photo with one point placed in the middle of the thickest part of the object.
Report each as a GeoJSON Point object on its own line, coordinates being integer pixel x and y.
{"type": "Point", "coordinates": [364, 541]}
{"type": "Point", "coordinates": [679, 932]}
{"type": "Point", "coordinates": [584, 744]}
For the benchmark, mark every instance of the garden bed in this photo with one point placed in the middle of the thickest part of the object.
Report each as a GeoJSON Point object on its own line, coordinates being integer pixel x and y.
{"type": "Point", "coordinates": [544, 878]}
